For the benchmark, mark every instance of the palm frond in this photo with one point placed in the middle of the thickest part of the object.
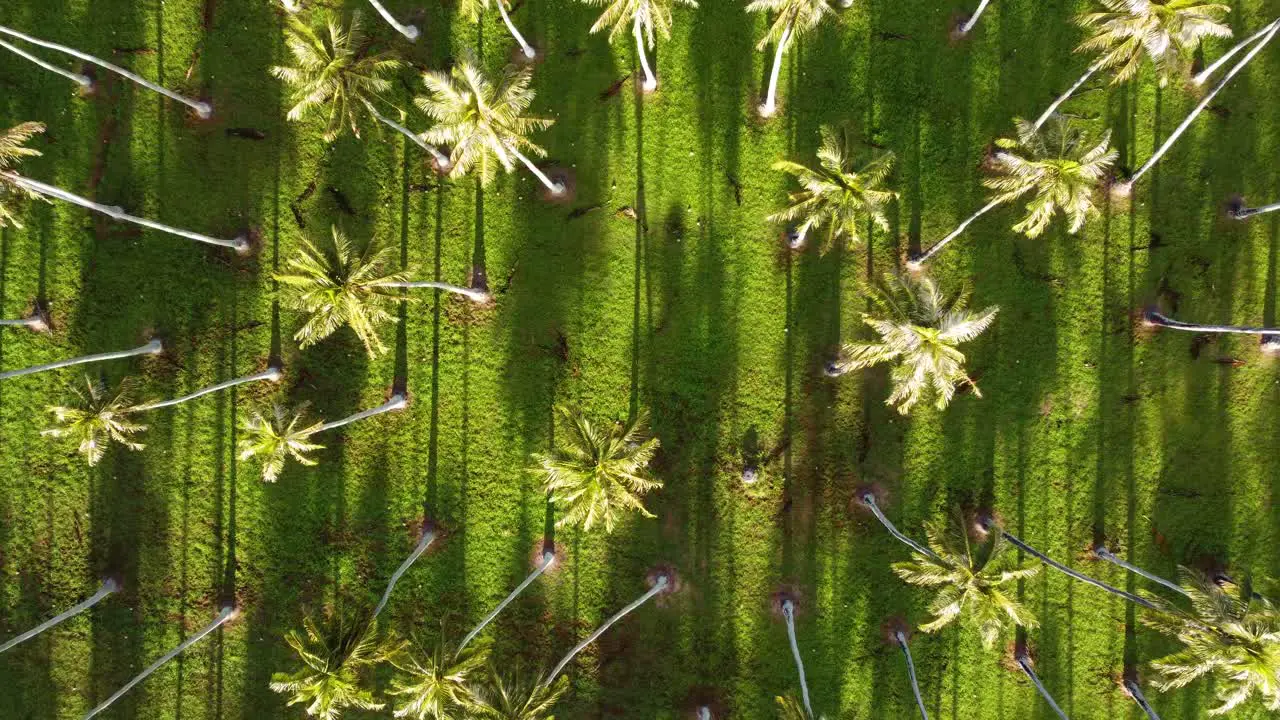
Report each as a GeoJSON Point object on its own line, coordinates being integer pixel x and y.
{"type": "Point", "coordinates": [95, 419]}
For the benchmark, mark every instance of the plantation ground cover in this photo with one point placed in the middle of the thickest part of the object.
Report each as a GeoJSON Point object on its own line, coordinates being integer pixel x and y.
{"type": "Point", "coordinates": [1090, 426]}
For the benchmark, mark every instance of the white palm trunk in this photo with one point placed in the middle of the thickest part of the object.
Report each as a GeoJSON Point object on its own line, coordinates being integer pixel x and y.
{"type": "Point", "coordinates": [1152, 317]}
{"type": "Point", "coordinates": [657, 588]}
{"type": "Point", "coordinates": [397, 402]}
{"type": "Point", "coordinates": [789, 614]}
{"type": "Point", "coordinates": [35, 322]}
{"type": "Point", "coordinates": [704, 713]}
{"type": "Point", "coordinates": [203, 109]}
{"type": "Point", "coordinates": [152, 348]}
{"type": "Point", "coordinates": [525, 47]}
{"type": "Point", "coordinates": [1053, 107]}
{"type": "Point", "coordinates": [409, 31]}
{"type": "Point", "coordinates": [548, 559]}
{"type": "Point", "coordinates": [553, 187]}
{"type": "Point", "coordinates": [228, 613]}
{"type": "Point", "coordinates": [870, 501]}
{"type": "Point", "coordinates": [423, 543]}
{"type": "Point", "coordinates": [83, 80]}
{"type": "Point", "coordinates": [1017, 542]}
{"type": "Point", "coordinates": [108, 586]}
{"type": "Point", "coordinates": [968, 26]}
{"type": "Point", "coordinates": [770, 105]}
{"type": "Point", "coordinates": [1246, 213]}
{"type": "Point", "coordinates": [1125, 187]}
{"type": "Point", "coordinates": [1208, 72]}
{"type": "Point", "coordinates": [918, 262]}
{"type": "Point", "coordinates": [115, 212]}
{"type": "Point", "coordinates": [470, 293]}
{"type": "Point", "coordinates": [650, 80]}
{"type": "Point", "coordinates": [1025, 664]}
{"type": "Point", "coordinates": [270, 374]}
{"type": "Point", "coordinates": [911, 672]}
{"type": "Point", "coordinates": [1135, 692]}
{"type": "Point", "coordinates": [291, 6]}
{"type": "Point", "coordinates": [442, 160]}
{"type": "Point", "coordinates": [1104, 554]}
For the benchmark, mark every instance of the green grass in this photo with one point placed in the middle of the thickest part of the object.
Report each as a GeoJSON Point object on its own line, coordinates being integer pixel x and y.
{"type": "Point", "coordinates": [1089, 426]}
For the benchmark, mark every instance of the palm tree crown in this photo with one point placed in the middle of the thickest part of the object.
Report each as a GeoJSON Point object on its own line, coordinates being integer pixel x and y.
{"type": "Point", "coordinates": [919, 330]}
{"type": "Point", "coordinates": [95, 419]}
{"type": "Point", "coordinates": [511, 697]}
{"type": "Point", "coordinates": [835, 194]}
{"type": "Point", "coordinates": [482, 121]}
{"type": "Point", "coordinates": [341, 288]}
{"type": "Point", "coordinates": [653, 17]}
{"type": "Point", "coordinates": [598, 472]}
{"type": "Point", "coordinates": [437, 686]}
{"type": "Point", "coordinates": [331, 72]}
{"type": "Point", "coordinates": [1231, 635]}
{"type": "Point", "coordinates": [791, 17]}
{"type": "Point", "coordinates": [972, 581]}
{"type": "Point", "coordinates": [1058, 164]}
{"type": "Point", "coordinates": [12, 152]}
{"type": "Point", "coordinates": [1164, 30]}
{"type": "Point", "coordinates": [275, 436]}
{"type": "Point", "coordinates": [329, 681]}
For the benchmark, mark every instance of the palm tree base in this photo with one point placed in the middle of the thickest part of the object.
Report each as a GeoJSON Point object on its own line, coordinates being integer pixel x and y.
{"type": "Point", "coordinates": [766, 111]}
{"type": "Point", "coordinates": [1270, 345]}
{"type": "Point", "coordinates": [1121, 190]}
{"type": "Point", "coordinates": [565, 180]}
{"type": "Point", "coordinates": [520, 58]}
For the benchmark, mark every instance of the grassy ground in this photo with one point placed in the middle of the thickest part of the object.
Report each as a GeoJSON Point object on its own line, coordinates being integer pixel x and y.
{"type": "Point", "coordinates": [1090, 427]}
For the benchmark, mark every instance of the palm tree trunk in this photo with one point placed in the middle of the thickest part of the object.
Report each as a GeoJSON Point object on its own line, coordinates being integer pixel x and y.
{"type": "Point", "coordinates": [1135, 692]}
{"type": "Point", "coordinates": [442, 160]}
{"type": "Point", "coordinates": [291, 6]}
{"type": "Point", "coordinates": [239, 244]}
{"type": "Point", "coordinates": [1204, 103]}
{"type": "Point", "coordinates": [917, 262]}
{"type": "Point", "coordinates": [203, 109]}
{"type": "Point", "coordinates": [83, 80]}
{"type": "Point", "coordinates": [409, 31]}
{"type": "Point", "coordinates": [1035, 680]}
{"type": "Point", "coordinates": [658, 587]}
{"type": "Point", "coordinates": [227, 613]}
{"type": "Point", "coordinates": [1053, 107]}
{"type": "Point", "coordinates": [1213, 68]}
{"type": "Point", "coordinates": [471, 293]}
{"type": "Point", "coordinates": [870, 501]}
{"type": "Point", "coordinates": [35, 322]}
{"type": "Point", "coordinates": [108, 586]}
{"type": "Point", "coordinates": [1246, 213]}
{"type": "Point", "coordinates": [650, 81]}
{"type": "Point", "coordinates": [423, 543]}
{"type": "Point", "coordinates": [911, 672]}
{"type": "Point", "coordinates": [524, 46]}
{"type": "Point", "coordinates": [273, 374]}
{"type": "Point", "coordinates": [151, 348]}
{"type": "Point", "coordinates": [554, 188]}
{"type": "Point", "coordinates": [548, 559]}
{"type": "Point", "coordinates": [1155, 318]}
{"type": "Point", "coordinates": [1105, 554]}
{"type": "Point", "coordinates": [771, 97]}
{"type": "Point", "coordinates": [397, 402]}
{"type": "Point", "coordinates": [704, 713]}
{"type": "Point", "coordinates": [982, 6]}
{"type": "Point", "coordinates": [789, 614]}
{"type": "Point", "coordinates": [1077, 575]}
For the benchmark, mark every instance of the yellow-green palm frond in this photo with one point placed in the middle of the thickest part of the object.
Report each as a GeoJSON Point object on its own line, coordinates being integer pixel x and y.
{"type": "Point", "coordinates": [1164, 31]}
{"type": "Point", "coordinates": [275, 436]}
{"type": "Point", "coordinates": [331, 73]}
{"type": "Point", "coordinates": [836, 195]}
{"type": "Point", "coordinates": [95, 419]}
{"type": "Point", "coordinates": [334, 661]}
{"type": "Point", "coordinates": [1058, 165]}
{"type": "Point", "coordinates": [438, 686]}
{"type": "Point", "coordinates": [13, 151]}
{"type": "Point", "coordinates": [791, 17]}
{"type": "Point", "coordinates": [621, 16]}
{"type": "Point", "coordinates": [919, 328]}
{"type": "Point", "coordinates": [512, 696]}
{"type": "Point", "coordinates": [482, 121]}
{"type": "Point", "coordinates": [337, 287]}
{"type": "Point", "coordinates": [597, 473]}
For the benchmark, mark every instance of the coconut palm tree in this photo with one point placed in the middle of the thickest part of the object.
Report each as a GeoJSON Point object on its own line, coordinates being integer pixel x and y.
{"type": "Point", "coordinates": [596, 473]}
{"type": "Point", "coordinates": [279, 434]}
{"type": "Point", "coordinates": [424, 542]}
{"type": "Point", "coordinates": [95, 419]}
{"type": "Point", "coordinates": [1024, 664]}
{"type": "Point", "coordinates": [789, 616]}
{"type": "Point", "coordinates": [333, 74]}
{"type": "Point", "coordinates": [203, 109]}
{"type": "Point", "coordinates": [511, 696]}
{"type": "Point", "coordinates": [1228, 634]}
{"type": "Point", "coordinates": [472, 10]}
{"type": "Point", "coordinates": [154, 347]}
{"type": "Point", "coordinates": [1270, 336]}
{"type": "Point", "coordinates": [969, 24]}
{"type": "Point", "coordinates": [439, 686]}
{"type": "Point", "coordinates": [661, 584]}
{"type": "Point", "coordinates": [548, 560]}
{"type": "Point", "coordinates": [108, 586]}
{"type": "Point", "coordinates": [646, 19]}
{"type": "Point", "coordinates": [337, 288]}
{"type": "Point", "coordinates": [329, 681]}
{"type": "Point", "coordinates": [1129, 32]}
{"type": "Point", "coordinates": [792, 18]}
{"type": "Point", "coordinates": [14, 186]}
{"type": "Point", "coordinates": [1058, 165]}
{"type": "Point", "coordinates": [1244, 213]}
{"type": "Point", "coordinates": [900, 637]}
{"type": "Point", "coordinates": [227, 614]}
{"type": "Point", "coordinates": [835, 194]}
{"type": "Point", "coordinates": [919, 330]}
{"type": "Point", "coordinates": [972, 581]}
{"type": "Point", "coordinates": [484, 122]}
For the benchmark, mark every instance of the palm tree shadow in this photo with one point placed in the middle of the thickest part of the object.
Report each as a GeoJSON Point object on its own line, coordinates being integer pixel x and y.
{"type": "Point", "coordinates": [431, 499]}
